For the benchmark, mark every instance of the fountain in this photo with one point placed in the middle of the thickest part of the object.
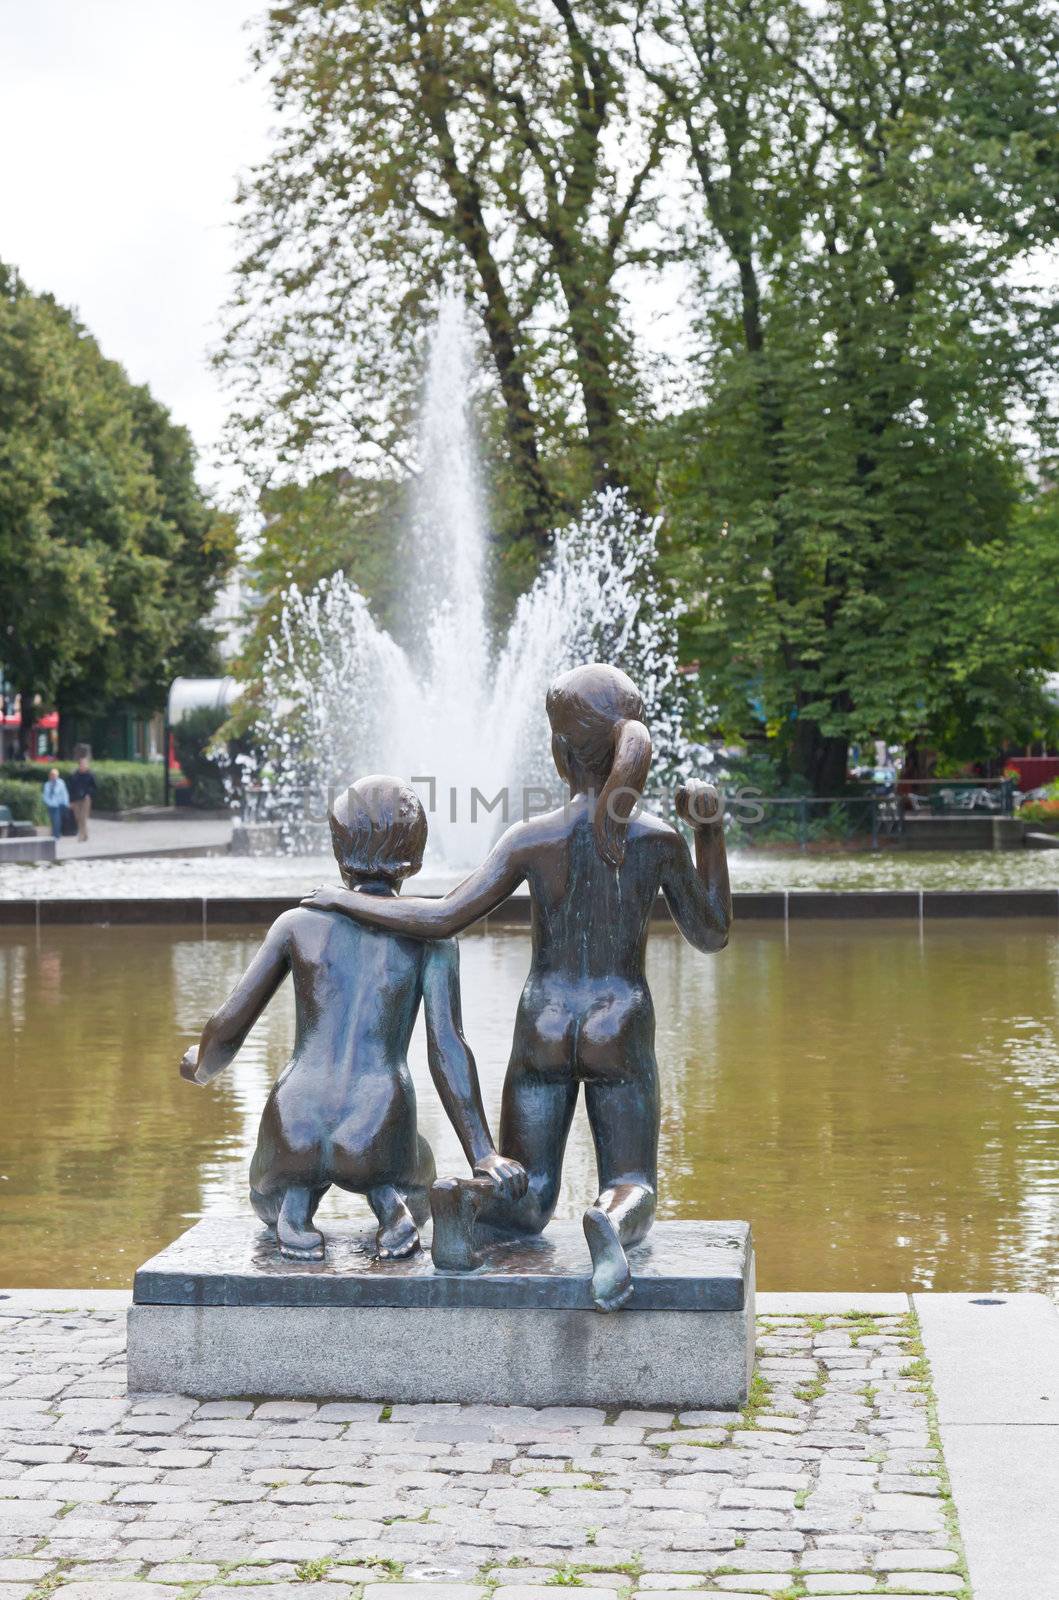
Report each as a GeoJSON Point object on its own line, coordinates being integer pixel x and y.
{"type": "Point", "coordinates": [455, 711]}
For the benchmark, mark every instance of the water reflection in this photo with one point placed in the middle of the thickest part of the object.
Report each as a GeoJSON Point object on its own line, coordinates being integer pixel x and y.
{"type": "Point", "coordinates": [883, 1106]}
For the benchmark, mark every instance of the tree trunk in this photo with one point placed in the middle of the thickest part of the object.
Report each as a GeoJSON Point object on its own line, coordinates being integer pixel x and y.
{"type": "Point", "coordinates": [536, 511]}
{"type": "Point", "coordinates": [595, 380]}
{"type": "Point", "coordinates": [821, 759]}
{"type": "Point", "coordinates": [471, 230]}
{"type": "Point", "coordinates": [27, 713]}
{"type": "Point", "coordinates": [27, 717]}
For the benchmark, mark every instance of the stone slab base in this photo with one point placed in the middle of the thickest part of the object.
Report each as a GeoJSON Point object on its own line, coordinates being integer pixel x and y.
{"type": "Point", "coordinates": [468, 1353]}
{"type": "Point", "coordinates": [219, 1313]}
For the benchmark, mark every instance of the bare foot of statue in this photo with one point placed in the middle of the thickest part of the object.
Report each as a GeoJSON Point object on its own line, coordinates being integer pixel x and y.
{"type": "Point", "coordinates": [455, 1203]}
{"type": "Point", "coordinates": [298, 1239]}
{"type": "Point", "coordinates": [611, 1278]}
{"type": "Point", "coordinates": [398, 1235]}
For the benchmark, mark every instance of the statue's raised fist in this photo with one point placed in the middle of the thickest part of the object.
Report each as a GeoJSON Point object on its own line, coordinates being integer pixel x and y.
{"type": "Point", "coordinates": [698, 803]}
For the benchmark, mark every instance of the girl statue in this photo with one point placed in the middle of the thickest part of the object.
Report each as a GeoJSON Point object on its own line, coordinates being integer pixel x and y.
{"type": "Point", "coordinates": [594, 869]}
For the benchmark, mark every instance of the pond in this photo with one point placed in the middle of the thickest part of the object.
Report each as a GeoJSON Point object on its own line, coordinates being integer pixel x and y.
{"type": "Point", "coordinates": [882, 1103]}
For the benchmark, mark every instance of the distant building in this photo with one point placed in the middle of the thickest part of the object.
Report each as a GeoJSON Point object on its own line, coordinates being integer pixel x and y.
{"type": "Point", "coordinates": [229, 615]}
{"type": "Point", "coordinates": [44, 739]}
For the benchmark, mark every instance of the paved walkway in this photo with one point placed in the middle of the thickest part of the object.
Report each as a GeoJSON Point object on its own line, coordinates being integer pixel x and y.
{"type": "Point", "coordinates": [830, 1483]}
{"type": "Point", "coordinates": [182, 835]}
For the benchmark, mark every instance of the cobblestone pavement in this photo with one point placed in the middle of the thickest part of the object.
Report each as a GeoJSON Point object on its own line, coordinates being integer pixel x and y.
{"type": "Point", "coordinates": [829, 1484]}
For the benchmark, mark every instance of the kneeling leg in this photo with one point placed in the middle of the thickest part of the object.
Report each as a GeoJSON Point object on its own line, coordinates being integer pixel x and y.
{"type": "Point", "coordinates": [416, 1195]}
{"type": "Point", "coordinates": [298, 1239]}
{"type": "Point", "coordinates": [402, 1208]}
{"type": "Point", "coordinates": [267, 1205]}
{"type": "Point", "coordinates": [397, 1233]}
{"type": "Point", "coordinates": [624, 1121]}
{"type": "Point", "coordinates": [534, 1126]}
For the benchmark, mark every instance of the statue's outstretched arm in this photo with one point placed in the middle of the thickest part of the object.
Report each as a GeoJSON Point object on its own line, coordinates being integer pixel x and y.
{"type": "Point", "coordinates": [228, 1027]}
{"type": "Point", "coordinates": [455, 1075]}
{"type": "Point", "coordinates": [486, 888]}
{"type": "Point", "coordinates": [700, 897]}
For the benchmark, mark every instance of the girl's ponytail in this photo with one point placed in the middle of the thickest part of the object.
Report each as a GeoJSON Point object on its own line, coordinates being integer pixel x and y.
{"type": "Point", "coordinates": [623, 789]}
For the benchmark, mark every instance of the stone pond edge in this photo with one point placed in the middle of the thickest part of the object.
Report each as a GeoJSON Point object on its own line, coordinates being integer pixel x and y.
{"type": "Point", "coordinates": [780, 905]}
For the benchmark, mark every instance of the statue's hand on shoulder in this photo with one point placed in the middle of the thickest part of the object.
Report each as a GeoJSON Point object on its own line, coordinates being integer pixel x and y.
{"type": "Point", "coordinates": [189, 1064]}
{"type": "Point", "coordinates": [326, 898]}
{"type": "Point", "coordinates": [507, 1177]}
{"type": "Point", "coordinates": [698, 804]}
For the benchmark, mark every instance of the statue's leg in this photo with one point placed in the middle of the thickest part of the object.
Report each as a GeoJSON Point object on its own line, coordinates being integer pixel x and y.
{"type": "Point", "coordinates": [298, 1239]}
{"type": "Point", "coordinates": [416, 1195]}
{"type": "Point", "coordinates": [624, 1121]}
{"type": "Point", "coordinates": [455, 1204]}
{"type": "Point", "coordinates": [267, 1205]}
{"type": "Point", "coordinates": [397, 1234]}
{"type": "Point", "coordinates": [534, 1125]}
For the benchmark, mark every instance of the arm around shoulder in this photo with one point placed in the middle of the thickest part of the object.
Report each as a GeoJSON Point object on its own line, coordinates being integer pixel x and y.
{"type": "Point", "coordinates": [479, 893]}
{"type": "Point", "coordinates": [455, 1075]}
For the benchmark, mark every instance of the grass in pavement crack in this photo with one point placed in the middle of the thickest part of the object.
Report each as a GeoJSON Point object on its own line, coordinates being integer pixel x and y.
{"type": "Point", "coordinates": [918, 1371]}
{"type": "Point", "coordinates": [313, 1571]}
{"type": "Point", "coordinates": [759, 1397]}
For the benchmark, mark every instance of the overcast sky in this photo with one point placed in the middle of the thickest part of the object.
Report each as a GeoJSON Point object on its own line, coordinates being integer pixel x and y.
{"type": "Point", "coordinates": [124, 125]}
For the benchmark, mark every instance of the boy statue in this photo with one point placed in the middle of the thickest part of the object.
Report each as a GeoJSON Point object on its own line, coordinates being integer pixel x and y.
{"type": "Point", "coordinates": [343, 1111]}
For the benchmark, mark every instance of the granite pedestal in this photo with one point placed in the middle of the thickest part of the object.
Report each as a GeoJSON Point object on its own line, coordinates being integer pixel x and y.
{"type": "Point", "coordinates": [219, 1313]}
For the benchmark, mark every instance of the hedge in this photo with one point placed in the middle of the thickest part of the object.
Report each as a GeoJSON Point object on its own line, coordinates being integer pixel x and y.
{"type": "Point", "coordinates": [1039, 811]}
{"type": "Point", "coordinates": [192, 736]}
{"type": "Point", "coordinates": [120, 785]}
{"type": "Point", "coordinates": [22, 800]}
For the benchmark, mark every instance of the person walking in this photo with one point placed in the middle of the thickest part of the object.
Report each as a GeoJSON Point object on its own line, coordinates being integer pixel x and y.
{"type": "Point", "coordinates": [82, 788]}
{"type": "Point", "coordinates": [56, 798]}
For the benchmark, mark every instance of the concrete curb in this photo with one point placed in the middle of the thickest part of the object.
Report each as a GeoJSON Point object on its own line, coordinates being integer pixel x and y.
{"type": "Point", "coordinates": [994, 1361]}
{"type": "Point", "coordinates": [785, 906]}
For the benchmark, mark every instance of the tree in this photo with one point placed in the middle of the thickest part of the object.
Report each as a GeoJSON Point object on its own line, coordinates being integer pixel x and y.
{"type": "Point", "coordinates": [335, 523]}
{"type": "Point", "coordinates": [873, 181]}
{"type": "Point", "coordinates": [423, 142]}
{"type": "Point", "coordinates": [109, 556]}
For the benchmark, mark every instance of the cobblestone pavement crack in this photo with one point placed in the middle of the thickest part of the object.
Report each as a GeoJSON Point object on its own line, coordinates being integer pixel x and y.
{"type": "Point", "coordinates": [830, 1483]}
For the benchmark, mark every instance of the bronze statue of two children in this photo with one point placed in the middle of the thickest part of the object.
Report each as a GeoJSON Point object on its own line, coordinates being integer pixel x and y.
{"type": "Point", "coordinates": [363, 959]}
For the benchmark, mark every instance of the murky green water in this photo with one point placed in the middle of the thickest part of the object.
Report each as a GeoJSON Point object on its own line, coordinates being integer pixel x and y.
{"type": "Point", "coordinates": [882, 1105]}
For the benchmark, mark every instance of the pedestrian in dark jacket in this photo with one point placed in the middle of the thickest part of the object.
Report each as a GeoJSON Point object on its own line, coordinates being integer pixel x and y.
{"type": "Point", "coordinates": [82, 787]}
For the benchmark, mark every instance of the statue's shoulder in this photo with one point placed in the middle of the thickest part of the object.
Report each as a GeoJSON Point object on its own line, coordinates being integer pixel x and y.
{"type": "Point", "coordinates": [301, 926]}
{"type": "Point", "coordinates": [650, 828]}
{"type": "Point", "coordinates": [288, 921]}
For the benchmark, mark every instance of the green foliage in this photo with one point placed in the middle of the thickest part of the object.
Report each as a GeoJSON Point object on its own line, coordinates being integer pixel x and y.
{"type": "Point", "coordinates": [865, 193]}
{"type": "Point", "coordinates": [22, 799]}
{"type": "Point", "coordinates": [1046, 809]}
{"type": "Point", "coordinates": [315, 1570]}
{"type": "Point", "coordinates": [120, 785]}
{"type": "Point", "coordinates": [845, 498]}
{"type": "Point", "coordinates": [109, 556]}
{"type": "Point", "coordinates": [495, 145]}
{"type": "Point", "coordinates": [194, 738]}
{"type": "Point", "coordinates": [335, 523]}
{"type": "Point", "coordinates": [758, 1400]}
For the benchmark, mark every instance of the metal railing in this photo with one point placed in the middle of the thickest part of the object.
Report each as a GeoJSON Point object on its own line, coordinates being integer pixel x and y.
{"type": "Point", "coordinates": [802, 820]}
{"type": "Point", "coordinates": [956, 797]}
{"type": "Point", "coordinates": [850, 819]}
